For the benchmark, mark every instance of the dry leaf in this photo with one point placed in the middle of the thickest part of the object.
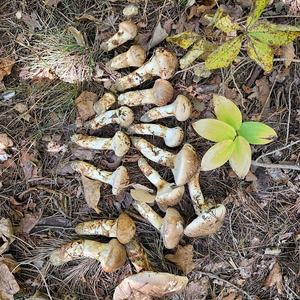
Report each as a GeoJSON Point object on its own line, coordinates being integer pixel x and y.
{"type": "Point", "coordinates": [51, 2]}
{"type": "Point", "coordinates": [28, 222]}
{"type": "Point", "coordinates": [85, 103]}
{"type": "Point", "coordinates": [8, 284]}
{"type": "Point", "coordinates": [78, 36]}
{"type": "Point", "coordinates": [5, 141]}
{"type": "Point", "coordinates": [9, 260]}
{"type": "Point", "coordinates": [30, 20]}
{"type": "Point", "coordinates": [274, 277]}
{"type": "Point", "coordinates": [6, 234]}
{"type": "Point", "coordinates": [263, 91]}
{"type": "Point", "coordinates": [92, 192]}
{"type": "Point", "coordinates": [198, 290]}
{"type": "Point", "coordinates": [22, 108]}
{"type": "Point", "coordinates": [29, 163]}
{"type": "Point", "coordinates": [142, 196]}
{"type": "Point", "coordinates": [6, 65]}
{"type": "Point", "coordinates": [288, 51]}
{"type": "Point", "coordinates": [158, 36]}
{"type": "Point", "coordinates": [86, 17]}
{"type": "Point", "coordinates": [246, 267]}
{"type": "Point", "coordinates": [183, 258]}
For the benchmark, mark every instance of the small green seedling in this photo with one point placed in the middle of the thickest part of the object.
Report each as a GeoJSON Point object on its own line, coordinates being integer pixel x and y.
{"type": "Point", "coordinates": [259, 38]}
{"type": "Point", "coordinates": [232, 136]}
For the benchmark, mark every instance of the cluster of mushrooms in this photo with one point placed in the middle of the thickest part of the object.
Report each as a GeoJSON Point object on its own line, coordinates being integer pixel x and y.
{"type": "Point", "coordinates": [184, 166]}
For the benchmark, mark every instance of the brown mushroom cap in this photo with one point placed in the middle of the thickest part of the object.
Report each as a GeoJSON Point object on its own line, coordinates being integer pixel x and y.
{"type": "Point", "coordinates": [115, 257]}
{"type": "Point", "coordinates": [125, 229]}
{"type": "Point", "coordinates": [150, 284]}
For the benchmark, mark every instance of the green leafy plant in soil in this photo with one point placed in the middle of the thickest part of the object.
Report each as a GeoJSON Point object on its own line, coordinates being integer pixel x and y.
{"type": "Point", "coordinates": [232, 136]}
{"type": "Point", "coordinates": [260, 39]}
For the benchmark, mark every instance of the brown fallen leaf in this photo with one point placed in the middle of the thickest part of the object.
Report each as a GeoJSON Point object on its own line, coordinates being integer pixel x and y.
{"type": "Point", "coordinates": [30, 20]}
{"type": "Point", "coordinates": [51, 2]}
{"type": "Point", "coordinates": [288, 52]}
{"type": "Point", "coordinates": [183, 258]}
{"type": "Point", "coordinates": [158, 36]}
{"type": "Point", "coordinates": [198, 290]}
{"type": "Point", "coordinates": [9, 260]}
{"type": "Point", "coordinates": [6, 234]}
{"type": "Point", "coordinates": [8, 284]}
{"type": "Point", "coordinates": [6, 65]}
{"type": "Point", "coordinates": [92, 192]}
{"type": "Point", "coordinates": [86, 17]}
{"type": "Point", "coordinates": [274, 277]}
{"type": "Point", "coordinates": [78, 36]}
{"type": "Point", "coordinates": [85, 103]}
{"type": "Point", "coordinates": [30, 163]}
{"type": "Point", "coordinates": [5, 141]}
{"type": "Point", "coordinates": [28, 222]}
{"type": "Point", "coordinates": [22, 109]}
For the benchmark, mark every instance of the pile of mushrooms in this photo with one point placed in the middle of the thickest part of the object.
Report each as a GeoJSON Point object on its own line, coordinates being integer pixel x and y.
{"type": "Point", "coordinates": [184, 166]}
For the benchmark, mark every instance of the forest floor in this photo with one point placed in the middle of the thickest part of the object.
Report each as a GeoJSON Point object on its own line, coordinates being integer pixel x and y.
{"type": "Point", "coordinates": [45, 66]}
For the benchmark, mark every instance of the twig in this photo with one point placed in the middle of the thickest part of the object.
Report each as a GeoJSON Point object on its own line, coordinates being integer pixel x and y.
{"type": "Point", "coordinates": [275, 166]}
{"type": "Point", "coordinates": [228, 282]}
{"type": "Point", "coordinates": [289, 115]}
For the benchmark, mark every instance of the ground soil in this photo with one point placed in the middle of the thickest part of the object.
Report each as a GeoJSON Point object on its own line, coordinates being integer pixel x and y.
{"type": "Point", "coordinates": [43, 197]}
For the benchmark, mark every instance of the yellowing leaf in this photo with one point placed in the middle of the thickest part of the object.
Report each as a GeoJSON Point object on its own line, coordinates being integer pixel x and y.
{"type": "Point", "coordinates": [273, 34]}
{"type": "Point", "coordinates": [240, 159]}
{"type": "Point", "coordinates": [217, 155]}
{"type": "Point", "coordinates": [225, 54]}
{"type": "Point", "coordinates": [194, 53]}
{"type": "Point", "coordinates": [257, 133]}
{"type": "Point", "coordinates": [257, 9]}
{"type": "Point", "coordinates": [184, 39]}
{"type": "Point", "coordinates": [227, 111]}
{"type": "Point", "coordinates": [225, 23]}
{"type": "Point", "coordinates": [78, 36]}
{"type": "Point", "coordinates": [214, 130]}
{"type": "Point", "coordinates": [261, 53]}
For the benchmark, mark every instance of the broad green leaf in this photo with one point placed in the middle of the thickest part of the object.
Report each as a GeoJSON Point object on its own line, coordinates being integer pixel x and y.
{"type": "Point", "coordinates": [261, 53]}
{"type": "Point", "coordinates": [225, 54]}
{"type": "Point", "coordinates": [256, 10]}
{"type": "Point", "coordinates": [184, 39]}
{"type": "Point", "coordinates": [193, 54]}
{"type": "Point", "coordinates": [240, 159]}
{"type": "Point", "coordinates": [214, 130]}
{"type": "Point", "coordinates": [273, 34]}
{"type": "Point", "coordinates": [257, 133]}
{"type": "Point", "coordinates": [227, 111]}
{"type": "Point", "coordinates": [217, 155]}
{"type": "Point", "coordinates": [226, 24]}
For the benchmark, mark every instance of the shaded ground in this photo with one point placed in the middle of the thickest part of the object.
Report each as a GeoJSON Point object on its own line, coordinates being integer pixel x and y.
{"type": "Point", "coordinates": [43, 196]}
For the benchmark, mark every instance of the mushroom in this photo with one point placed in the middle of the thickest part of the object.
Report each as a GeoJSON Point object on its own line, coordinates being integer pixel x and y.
{"type": "Point", "coordinates": [181, 109]}
{"type": "Point", "coordinates": [184, 164]}
{"type": "Point", "coordinates": [120, 143]}
{"type": "Point", "coordinates": [123, 228]}
{"type": "Point", "coordinates": [137, 256]}
{"type": "Point", "coordinates": [210, 217]}
{"type": "Point", "coordinates": [112, 255]}
{"type": "Point", "coordinates": [167, 193]}
{"type": "Point", "coordinates": [150, 284]}
{"type": "Point", "coordinates": [134, 57]}
{"type": "Point", "coordinates": [163, 64]}
{"type": "Point", "coordinates": [103, 104]}
{"type": "Point", "coordinates": [173, 137]}
{"type": "Point", "coordinates": [118, 179]}
{"type": "Point", "coordinates": [127, 31]}
{"type": "Point", "coordinates": [171, 226]}
{"type": "Point", "coordinates": [122, 116]}
{"type": "Point", "coordinates": [161, 93]}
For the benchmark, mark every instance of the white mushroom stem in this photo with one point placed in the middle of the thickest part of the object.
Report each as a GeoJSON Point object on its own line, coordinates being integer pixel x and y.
{"type": "Point", "coordinates": [173, 137]}
{"type": "Point", "coordinates": [167, 193]}
{"type": "Point", "coordinates": [134, 57]}
{"type": "Point", "coordinates": [127, 31]}
{"type": "Point", "coordinates": [112, 255]}
{"type": "Point", "coordinates": [161, 93]}
{"type": "Point", "coordinates": [123, 116]}
{"type": "Point", "coordinates": [163, 64]}
{"type": "Point", "coordinates": [196, 193]}
{"type": "Point", "coordinates": [181, 109]}
{"type": "Point", "coordinates": [184, 164]}
{"type": "Point", "coordinates": [118, 179]}
{"type": "Point", "coordinates": [120, 143]}
{"type": "Point", "coordinates": [103, 104]}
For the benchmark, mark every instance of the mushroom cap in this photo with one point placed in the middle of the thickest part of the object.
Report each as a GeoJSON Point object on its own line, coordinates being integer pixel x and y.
{"type": "Point", "coordinates": [125, 229]}
{"type": "Point", "coordinates": [206, 223]}
{"type": "Point", "coordinates": [186, 164]}
{"type": "Point", "coordinates": [174, 136]}
{"type": "Point", "coordinates": [125, 116]}
{"type": "Point", "coordinates": [172, 228]}
{"type": "Point", "coordinates": [121, 143]}
{"type": "Point", "coordinates": [170, 195]}
{"type": "Point", "coordinates": [151, 284]}
{"type": "Point", "coordinates": [120, 180]}
{"type": "Point", "coordinates": [136, 56]}
{"type": "Point", "coordinates": [163, 92]}
{"type": "Point", "coordinates": [115, 257]}
{"type": "Point", "coordinates": [183, 108]}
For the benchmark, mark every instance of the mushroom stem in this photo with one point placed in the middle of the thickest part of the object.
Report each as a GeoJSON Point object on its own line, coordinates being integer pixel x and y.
{"type": "Point", "coordinates": [163, 64]}
{"type": "Point", "coordinates": [181, 109]}
{"type": "Point", "coordinates": [134, 57]}
{"type": "Point", "coordinates": [161, 93]}
{"type": "Point", "coordinates": [123, 116]}
{"type": "Point", "coordinates": [173, 137]}
{"type": "Point", "coordinates": [196, 193]}
{"type": "Point", "coordinates": [118, 179]}
{"type": "Point", "coordinates": [112, 255]}
{"type": "Point", "coordinates": [103, 104]}
{"type": "Point", "coordinates": [120, 143]}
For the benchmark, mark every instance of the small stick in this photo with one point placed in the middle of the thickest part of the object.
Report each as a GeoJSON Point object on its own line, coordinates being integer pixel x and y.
{"type": "Point", "coordinates": [275, 166]}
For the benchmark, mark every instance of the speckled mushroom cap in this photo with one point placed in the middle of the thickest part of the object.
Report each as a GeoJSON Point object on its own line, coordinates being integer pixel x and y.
{"type": "Point", "coordinates": [125, 229]}
{"type": "Point", "coordinates": [150, 284]}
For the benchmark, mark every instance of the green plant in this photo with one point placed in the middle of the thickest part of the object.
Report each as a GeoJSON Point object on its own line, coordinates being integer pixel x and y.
{"type": "Point", "coordinates": [232, 136]}
{"type": "Point", "coordinates": [259, 37]}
